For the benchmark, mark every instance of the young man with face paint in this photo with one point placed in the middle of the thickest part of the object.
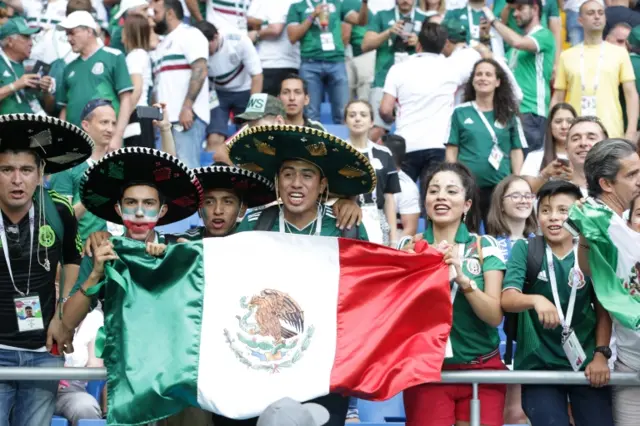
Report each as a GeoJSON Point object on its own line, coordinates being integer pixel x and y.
{"type": "Point", "coordinates": [306, 164]}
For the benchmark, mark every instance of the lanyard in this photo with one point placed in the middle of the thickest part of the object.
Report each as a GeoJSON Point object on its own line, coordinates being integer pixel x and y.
{"type": "Point", "coordinates": [8, 62]}
{"type": "Point", "coordinates": [5, 249]}
{"type": "Point", "coordinates": [413, 14]}
{"type": "Point", "coordinates": [596, 80]}
{"type": "Point", "coordinates": [318, 223]}
{"type": "Point", "coordinates": [489, 127]}
{"type": "Point", "coordinates": [454, 288]}
{"type": "Point", "coordinates": [471, 24]}
{"type": "Point", "coordinates": [374, 194]}
{"type": "Point", "coordinates": [566, 323]}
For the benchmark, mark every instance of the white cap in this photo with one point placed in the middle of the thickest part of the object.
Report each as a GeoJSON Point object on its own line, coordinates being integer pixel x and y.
{"type": "Point", "coordinates": [128, 5]}
{"type": "Point", "coordinates": [77, 19]}
{"type": "Point", "coordinates": [287, 412]}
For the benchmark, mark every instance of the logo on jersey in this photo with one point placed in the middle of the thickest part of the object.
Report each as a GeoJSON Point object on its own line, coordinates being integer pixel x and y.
{"type": "Point", "coordinates": [72, 73]}
{"type": "Point", "coordinates": [468, 121]}
{"type": "Point", "coordinates": [473, 266]}
{"type": "Point", "coordinates": [98, 68]}
{"type": "Point", "coordinates": [576, 277]}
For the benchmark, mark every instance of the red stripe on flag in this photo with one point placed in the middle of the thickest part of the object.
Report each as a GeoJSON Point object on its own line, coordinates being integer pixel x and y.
{"type": "Point", "coordinates": [394, 318]}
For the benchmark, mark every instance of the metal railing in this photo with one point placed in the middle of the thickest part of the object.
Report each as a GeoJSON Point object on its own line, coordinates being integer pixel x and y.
{"type": "Point", "coordinates": [474, 378]}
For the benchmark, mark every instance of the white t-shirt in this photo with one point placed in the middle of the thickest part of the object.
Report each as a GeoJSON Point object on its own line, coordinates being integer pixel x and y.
{"type": "Point", "coordinates": [85, 333]}
{"type": "Point", "coordinates": [425, 104]}
{"type": "Point", "coordinates": [172, 61]}
{"type": "Point", "coordinates": [228, 15]}
{"type": "Point", "coordinates": [278, 53]}
{"type": "Point", "coordinates": [234, 63]}
{"type": "Point", "coordinates": [49, 44]}
{"type": "Point", "coordinates": [408, 199]}
{"type": "Point", "coordinates": [532, 163]}
{"type": "Point", "coordinates": [139, 62]}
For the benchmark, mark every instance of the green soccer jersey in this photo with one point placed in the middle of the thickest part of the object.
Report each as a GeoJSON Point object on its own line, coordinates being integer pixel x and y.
{"type": "Point", "coordinates": [533, 71]}
{"type": "Point", "coordinates": [549, 10]}
{"type": "Point", "coordinates": [67, 183]}
{"type": "Point", "coordinates": [469, 133]}
{"type": "Point", "coordinates": [102, 75]}
{"type": "Point", "coordinates": [385, 54]}
{"type": "Point", "coordinates": [193, 234]}
{"type": "Point", "coordinates": [317, 44]}
{"type": "Point", "coordinates": [470, 336]}
{"type": "Point", "coordinates": [635, 62]}
{"type": "Point", "coordinates": [357, 31]}
{"type": "Point", "coordinates": [328, 226]}
{"type": "Point", "coordinates": [20, 101]}
{"type": "Point", "coordinates": [538, 348]}
{"type": "Point", "coordinates": [462, 15]}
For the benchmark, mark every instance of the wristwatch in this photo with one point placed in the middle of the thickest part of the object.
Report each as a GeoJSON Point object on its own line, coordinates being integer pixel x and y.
{"type": "Point", "coordinates": [604, 350]}
{"type": "Point", "coordinates": [472, 287]}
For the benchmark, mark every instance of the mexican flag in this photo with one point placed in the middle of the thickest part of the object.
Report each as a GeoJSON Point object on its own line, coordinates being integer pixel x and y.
{"type": "Point", "coordinates": [234, 324]}
{"type": "Point", "coordinates": [614, 258]}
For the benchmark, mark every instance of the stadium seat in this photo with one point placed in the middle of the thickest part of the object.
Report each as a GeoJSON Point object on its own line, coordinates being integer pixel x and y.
{"type": "Point", "coordinates": [422, 225]}
{"type": "Point", "coordinates": [391, 410]}
{"type": "Point", "coordinates": [339, 130]}
{"type": "Point", "coordinates": [94, 388]}
{"type": "Point", "coordinates": [92, 422]}
{"type": "Point", "coordinates": [206, 158]}
{"type": "Point", "coordinates": [59, 421]}
{"type": "Point", "coordinates": [325, 113]}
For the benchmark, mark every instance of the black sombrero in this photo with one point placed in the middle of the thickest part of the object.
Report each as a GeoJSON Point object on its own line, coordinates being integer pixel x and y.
{"type": "Point", "coordinates": [59, 143]}
{"type": "Point", "coordinates": [102, 184]}
{"type": "Point", "coordinates": [263, 149]}
{"type": "Point", "coordinates": [254, 189]}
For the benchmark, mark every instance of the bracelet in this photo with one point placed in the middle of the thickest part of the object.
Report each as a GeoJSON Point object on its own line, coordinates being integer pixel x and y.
{"type": "Point", "coordinates": [584, 246]}
{"type": "Point", "coordinates": [166, 128]}
{"type": "Point", "coordinates": [84, 292]}
{"type": "Point", "coordinates": [12, 87]}
{"type": "Point", "coordinates": [310, 18]}
{"type": "Point", "coordinates": [63, 300]}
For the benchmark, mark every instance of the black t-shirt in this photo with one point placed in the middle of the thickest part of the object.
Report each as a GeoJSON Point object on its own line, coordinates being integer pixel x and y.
{"type": "Point", "coordinates": [388, 182]}
{"type": "Point", "coordinates": [618, 14]}
{"type": "Point", "coordinates": [41, 282]}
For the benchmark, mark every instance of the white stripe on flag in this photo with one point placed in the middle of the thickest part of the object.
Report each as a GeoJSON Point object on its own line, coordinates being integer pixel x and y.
{"type": "Point", "coordinates": [232, 378]}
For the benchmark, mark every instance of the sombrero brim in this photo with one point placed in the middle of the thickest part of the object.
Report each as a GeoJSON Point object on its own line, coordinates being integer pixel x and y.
{"type": "Point", "coordinates": [102, 184]}
{"type": "Point", "coordinates": [263, 149]}
{"type": "Point", "coordinates": [60, 144]}
{"type": "Point", "coordinates": [255, 190]}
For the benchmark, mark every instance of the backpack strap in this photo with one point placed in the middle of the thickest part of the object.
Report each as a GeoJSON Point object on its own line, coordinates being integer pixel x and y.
{"type": "Point", "coordinates": [267, 219]}
{"type": "Point", "coordinates": [51, 212]}
{"type": "Point", "coordinates": [535, 254]}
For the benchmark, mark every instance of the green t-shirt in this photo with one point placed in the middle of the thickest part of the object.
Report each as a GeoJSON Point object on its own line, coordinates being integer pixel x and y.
{"type": "Point", "coordinates": [470, 336]}
{"type": "Point", "coordinates": [328, 228]}
{"type": "Point", "coordinates": [19, 101]}
{"type": "Point", "coordinates": [193, 234]}
{"type": "Point", "coordinates": [103, 75]}
{"type": "Point", "coordinates": [357, 31]}
{"type": "Point", "coordinates": [475, 144]}
{"type": "Point", "coordinates": [533, 72]}
{"type": "Point", "coordinates": [549, 10]}
{"type": "Point", "coordinates": [67, 183]}
{"type": "Point", "coordinates": [385, 54]}
{"type": "Point", "coordinates": [462, 15]}
{"type": "Point", "coordinates": [311, 45]}
{"type": "Point", "coordinates": [538, 348]}
{"type": "Point", "coordinates": [635, 63]}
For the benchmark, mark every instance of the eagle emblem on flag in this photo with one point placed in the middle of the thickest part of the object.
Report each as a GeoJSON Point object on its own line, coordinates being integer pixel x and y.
{"type": "Point", "coordinates": [271, 332]}
{"type": "Point", "coordinates": [632, 283]}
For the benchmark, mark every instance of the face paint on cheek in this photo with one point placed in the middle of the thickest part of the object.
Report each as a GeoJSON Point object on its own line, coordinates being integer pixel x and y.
{"type": "Point", "coordinates": [136, 223]}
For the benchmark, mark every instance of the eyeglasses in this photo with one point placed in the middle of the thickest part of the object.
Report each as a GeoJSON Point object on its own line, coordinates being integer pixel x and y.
{"type": "Point", "coordinates": [13, 241]}
{"type": "Point", "coordinates": [516, 197]}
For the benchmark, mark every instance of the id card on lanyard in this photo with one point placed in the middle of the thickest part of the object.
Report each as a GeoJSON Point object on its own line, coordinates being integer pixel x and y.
{"type": "Point", "coordinates": [496, 155]}
{"type": "Point", "coordinates": [27, 306]}
{"type": "Point", "coordinates": [570, 343]}
{"type": "Point", "coordinates": [588, 102]}
{"type": "Point", "coordinates": [474, 30]}
{"type": "Point", "coordinates": [448, 353]}
{"type": "Point", "coordinates": [370, 212]}
{"type": "Point", "coordinates": [34, 104]}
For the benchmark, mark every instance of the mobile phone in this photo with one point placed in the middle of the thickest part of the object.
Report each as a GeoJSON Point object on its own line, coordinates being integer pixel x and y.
{"type": "Point", "coordinates": [41, 69]}
{"type": "Point", "coordinates": [407, 29]}
{"type": "Point", "coordinates": [563, 159]}
{"type": "Point", "coordinates": [149, 113]}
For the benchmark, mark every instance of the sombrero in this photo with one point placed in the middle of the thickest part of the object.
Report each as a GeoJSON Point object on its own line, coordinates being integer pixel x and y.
{"type": "Point", "coordinates": [254, 189]}
{"type": "Point", "coordinates": [102, 184]}
{"type": "Point", "coordinates": [263, 149]}
{"type": "Point", "coordinates": [59, 143]}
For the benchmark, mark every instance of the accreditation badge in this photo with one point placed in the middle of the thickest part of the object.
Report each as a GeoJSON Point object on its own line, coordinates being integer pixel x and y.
{"type": "Point", "coordinates": [573, 350]}
{"type": "Point", "coordinates": [28, 313]}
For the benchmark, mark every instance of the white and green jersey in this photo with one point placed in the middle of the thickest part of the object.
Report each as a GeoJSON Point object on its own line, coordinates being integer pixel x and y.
{"type": "Point", "coordinates": [533, 71]}
{"type": "Point", "coordinates": [228, 14]}
{"type": "Point", "coordinates": [235, 62]}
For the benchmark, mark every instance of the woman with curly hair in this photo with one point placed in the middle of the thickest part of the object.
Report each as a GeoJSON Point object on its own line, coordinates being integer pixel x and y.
{"type": "Point", "coordinates": [486, 134]}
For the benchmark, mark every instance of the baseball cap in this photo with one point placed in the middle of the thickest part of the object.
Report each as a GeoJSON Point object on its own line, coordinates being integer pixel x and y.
{"type": "Point", "coordinates": [126, 5]}
{"type": "Point", "coordinates": [634, 37]}
{"type": "Point", "coordinates": [261, 104]}
{"type": "Point", "coordinates": [16, 25]}
{"type": "Point", "coordinates": [92, 105]}
{"type": "Point", "coordinates": [457, 33]}
{"type": "Point", "coordinates": [287, 412]}
{"type": "Point", "coordinates": [80, 18]}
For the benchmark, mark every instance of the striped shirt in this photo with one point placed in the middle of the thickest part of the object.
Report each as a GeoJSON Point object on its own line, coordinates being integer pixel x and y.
{"type": "Point", "coordinates": [234, 63]}
{"type": "Point", "coordinates": [228, 15]}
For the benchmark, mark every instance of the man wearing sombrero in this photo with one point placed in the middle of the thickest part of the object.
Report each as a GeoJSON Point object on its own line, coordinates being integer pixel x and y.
{"type": "Point", "coordinates": [228, 192]}
{"type": "Point", "coordinates": [38, 232]}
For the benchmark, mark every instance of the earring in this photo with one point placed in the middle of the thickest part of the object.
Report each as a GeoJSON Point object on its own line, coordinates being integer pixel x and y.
{"type": "Point", "coordinates": [464, 217]}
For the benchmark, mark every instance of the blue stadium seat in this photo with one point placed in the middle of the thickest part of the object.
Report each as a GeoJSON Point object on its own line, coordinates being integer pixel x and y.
{"type": "Point", "coordinates": [94, 388]}
{"type": "Point", "coordinates": [390, 410]}
{"type": "Point", "coordinates": [325, 113]}
{"type": "Point", "coordinates": [422, 225]}
{"type": "Point", "coordinates": [206, 158]}
{"type": "Point", "coordinates": [231, 129]}
{"type": "Point", "coordinates": [339, 130]}
{"type": "Point", "coordinates": [92, 422]}
{"type": "Point", "coordinates": [59, 421]}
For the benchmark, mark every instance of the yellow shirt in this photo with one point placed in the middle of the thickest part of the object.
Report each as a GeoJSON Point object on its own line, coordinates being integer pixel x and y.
{"type": "Point", "coordinates": [615, 69]}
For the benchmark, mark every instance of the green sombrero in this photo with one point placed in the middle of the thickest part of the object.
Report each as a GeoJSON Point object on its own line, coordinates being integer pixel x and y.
{"type": "Point", "coordinates": [102, 185]}
{"type": "Point", "coordinates": [254, 189]}
{"type": "Point", "coordinates": [263, 149]}
{"type": "Point", "coordinates": [59, 143]}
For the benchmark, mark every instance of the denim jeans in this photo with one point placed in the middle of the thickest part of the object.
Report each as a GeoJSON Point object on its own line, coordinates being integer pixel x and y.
{"type": "Point", "coordinates": [575, 33]}
{"type": "Point", "coordinates": [547, 405]}
{"type": "Point", "coordinates": [235, 102]}
{"type": "Point", "coordinates": [330, 77]}
{"type": "Point", "coordinates": [28, 403]}
{"type": "Point", "coordinates": [534, 127]}
{"type": "Point", "coordinates": [189, 142]}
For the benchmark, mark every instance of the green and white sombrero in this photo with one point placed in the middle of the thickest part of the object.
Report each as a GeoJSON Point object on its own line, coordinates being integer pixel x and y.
{"type": "Point", "coordinates": [102, 185]}
{"type": "Point", "coordinates": [59, 143]}
{"type": "Point", "coordinates": [254, 190]}
{"type": "Point", "coordinates": [263, 149]}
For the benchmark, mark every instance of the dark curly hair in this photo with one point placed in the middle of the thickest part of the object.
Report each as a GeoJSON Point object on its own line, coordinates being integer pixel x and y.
{"type": "Point", "coordinates": [504, 103]}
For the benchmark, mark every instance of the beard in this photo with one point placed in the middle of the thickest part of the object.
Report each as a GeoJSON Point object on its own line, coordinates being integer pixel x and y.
{"type": "Point", "coordinates": [161, 27]}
